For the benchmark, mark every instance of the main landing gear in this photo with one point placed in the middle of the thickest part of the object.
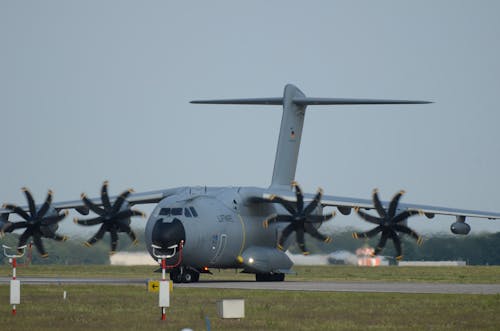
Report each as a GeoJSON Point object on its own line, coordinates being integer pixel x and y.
{"type": "Point", "coordinates": [270, 277]}
{"type": "Point", "coordinates": [184, 275]}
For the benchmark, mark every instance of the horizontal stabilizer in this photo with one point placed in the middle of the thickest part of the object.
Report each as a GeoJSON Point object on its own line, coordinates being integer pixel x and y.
{"type": "Point", "coordinates": [343, 101]}
{"type": "Point", "coordinates": [306, 101]}
{"type": "Point", "coordinates": [252, 101]}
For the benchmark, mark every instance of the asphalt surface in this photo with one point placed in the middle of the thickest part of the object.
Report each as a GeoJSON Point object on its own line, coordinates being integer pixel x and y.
{"type": "Point", "coordinates": [374, 287]}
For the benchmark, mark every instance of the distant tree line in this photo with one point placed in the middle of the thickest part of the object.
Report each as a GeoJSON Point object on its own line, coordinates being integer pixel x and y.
{"type": "Point", "coordinates": [478, 249]}
{"type": "Point", "coordinates": [73, 251]}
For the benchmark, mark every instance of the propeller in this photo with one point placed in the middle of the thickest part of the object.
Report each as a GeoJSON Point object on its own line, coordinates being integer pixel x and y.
{"type": "Point", "coordinates": [301, 218]}
{"type": "Point", "coordinates": [113, 217]}
{"type": "Point", "coordinates": [388, 223]}
{"type": "Point", "coordinates": [38, 222]}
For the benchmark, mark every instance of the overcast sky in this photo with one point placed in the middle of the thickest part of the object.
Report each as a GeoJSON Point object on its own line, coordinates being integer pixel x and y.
{"type": "Point", "coordinates": [96, 90]}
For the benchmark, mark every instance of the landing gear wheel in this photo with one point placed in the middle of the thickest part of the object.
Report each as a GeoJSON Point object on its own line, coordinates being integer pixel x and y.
{"type": "Point", "coordinates": [270, 277]}
{"type": "Point", "coordinates": [176, 276]}
{"type": "Point", "coordinates": [187, 276]}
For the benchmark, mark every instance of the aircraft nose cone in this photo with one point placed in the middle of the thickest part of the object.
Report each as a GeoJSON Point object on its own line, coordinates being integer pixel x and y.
{"type": "Point", "coordinates": [168, 234]}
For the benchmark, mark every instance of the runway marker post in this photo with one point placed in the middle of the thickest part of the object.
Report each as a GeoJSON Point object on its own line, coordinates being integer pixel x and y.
{"type": "Point", "coordinates": [15, 284]}
{"type": "Point", "coordinates": [164, 291]}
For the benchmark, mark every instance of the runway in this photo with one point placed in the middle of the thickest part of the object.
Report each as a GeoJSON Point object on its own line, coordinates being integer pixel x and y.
{"type": "Point", "coordinates": [372, 287]}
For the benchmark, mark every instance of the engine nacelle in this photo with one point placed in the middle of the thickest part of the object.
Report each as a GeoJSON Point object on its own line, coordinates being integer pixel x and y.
{"type": "Point", "coordinates": [460, 228]}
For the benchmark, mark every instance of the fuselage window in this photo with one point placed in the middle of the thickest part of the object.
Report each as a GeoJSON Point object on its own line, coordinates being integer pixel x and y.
{"type": "Point", "coordinates": [165, 211]}
{"type": "Point", "coordinates": [193, 211]}
{"type": "Point", "coordinates": [187, 213]}
{"type": "Point", "coordinates": [176, 211]}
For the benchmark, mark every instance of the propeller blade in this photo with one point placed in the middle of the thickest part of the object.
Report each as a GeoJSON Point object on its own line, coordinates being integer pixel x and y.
{"type": "Point", "coordinates": [285, 203]}
{"type": "Point", "coordinates": [382, 242]}
{"type": "Point", "coordinates": [367, 234]}
{"type": "Point", "coordinates": [18, 210]}
{"type": "Point", "coordinates": [368, 217]}
{"type": "Point", "coordinates": [378, 205]}
{"type": "Point", "coordinates": [314, 203]}
{"type": "Point", "coordinates": [96, 209]}
{"type": "Point", "coordinates": [127, 213]}
{"type": "Point", "coordinates": [408, 231]}
{"type": "Point", "coordinates": [114, 240]}
{"type": "Point", "coordinates": [394, 204]}
{"type": "Point", "coordinates": [284, 235]}
{"type": "Point", "coordinates": [299, 233]}
{"type": "Point", "coordinates": [31, 202]}
{"type": "Point", "coordinates": [404, 216]}
{"type": "Point", "coordinates": [132, 236]}
{"type": "Point", "coordinates": [37, 240]}
{"type": "Point", "coordinates": [300, 197]}
{"type": "Point", "coordinates": [9, 227]}
{"type": "Point", "coordinates": [98, 236]}
{"type": "Point", "coordinates": [54, 219]}
{"type": "Point", "coordinates": [120, 200]}
{"type": "Point", "coordinates": [104, 196]}
{"type": "Point", "coordinates": [23, 239]}
{"type": "Point", "coordinates": [312, 219]}
{"type": "Point", "coordinates": [309, 228]}
{"type": "Point", "coordinates": [397, 245]}
{"type": "Point", "coordinates": [89, 222]}
{"type": "Point", "coordinates": [45, 207]}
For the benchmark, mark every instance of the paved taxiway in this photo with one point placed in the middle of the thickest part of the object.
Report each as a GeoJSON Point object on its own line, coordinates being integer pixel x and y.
{"type": "Point", "coordinates": [382, 287]}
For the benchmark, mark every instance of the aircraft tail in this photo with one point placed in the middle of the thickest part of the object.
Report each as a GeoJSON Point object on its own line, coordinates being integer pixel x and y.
{"type": "Point", "coordinates": [294, 104]}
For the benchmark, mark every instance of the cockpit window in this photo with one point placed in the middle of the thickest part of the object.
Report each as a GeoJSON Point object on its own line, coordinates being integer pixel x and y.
{"type": "Point", "coordinates": [165, 211]}
{"type": "Point", "coordinates": [193, 211]}
{"type": "Point", "coordinates": [188, 212]}
{"type": "Point", "coordinates": [176, 211]}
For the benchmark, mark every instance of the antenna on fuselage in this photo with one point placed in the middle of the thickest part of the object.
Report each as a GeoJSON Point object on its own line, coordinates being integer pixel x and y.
{"type": "Point", "coordinates": [294, 104]}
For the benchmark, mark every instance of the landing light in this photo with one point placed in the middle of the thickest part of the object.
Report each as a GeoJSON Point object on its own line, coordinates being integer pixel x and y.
{"type": "Point", "coordinates": [251, 260]}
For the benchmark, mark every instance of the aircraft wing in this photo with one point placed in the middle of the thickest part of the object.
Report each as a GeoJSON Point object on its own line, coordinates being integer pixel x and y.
{"type": "Point", "coordinates": [344, 204]}
{"type": "Point", "coordinates": [133, 199]}
{"type": "Point", "coordinates": [429, 211]}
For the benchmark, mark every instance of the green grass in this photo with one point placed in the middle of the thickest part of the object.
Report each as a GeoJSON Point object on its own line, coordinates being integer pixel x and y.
{"type": "Point", "coordinates": [469, 274]}
{"type": "Point", "coordinates": [133, 308]}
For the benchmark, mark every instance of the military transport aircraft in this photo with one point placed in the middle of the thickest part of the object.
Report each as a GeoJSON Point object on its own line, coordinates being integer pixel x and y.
{"type": "Point", "coordinates": [246, 228]}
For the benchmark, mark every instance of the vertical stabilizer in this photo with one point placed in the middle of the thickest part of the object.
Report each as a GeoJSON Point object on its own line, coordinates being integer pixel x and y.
{"type": "Point", "coordinates": [294, 108]}
{"type": "Point", "coordinates": [287, 151]}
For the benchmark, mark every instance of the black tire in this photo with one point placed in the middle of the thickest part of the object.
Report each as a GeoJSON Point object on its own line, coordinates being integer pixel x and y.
{"type": "Point", "coordinates": [270, 277]}
{"type": "Point", "coordinates": [190, 276]}
{"type": "Point", "coordinates": [175, 276]}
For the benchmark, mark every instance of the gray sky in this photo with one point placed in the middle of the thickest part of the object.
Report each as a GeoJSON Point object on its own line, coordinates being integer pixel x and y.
{"type": "Point", "coordinates": [96, 90]}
